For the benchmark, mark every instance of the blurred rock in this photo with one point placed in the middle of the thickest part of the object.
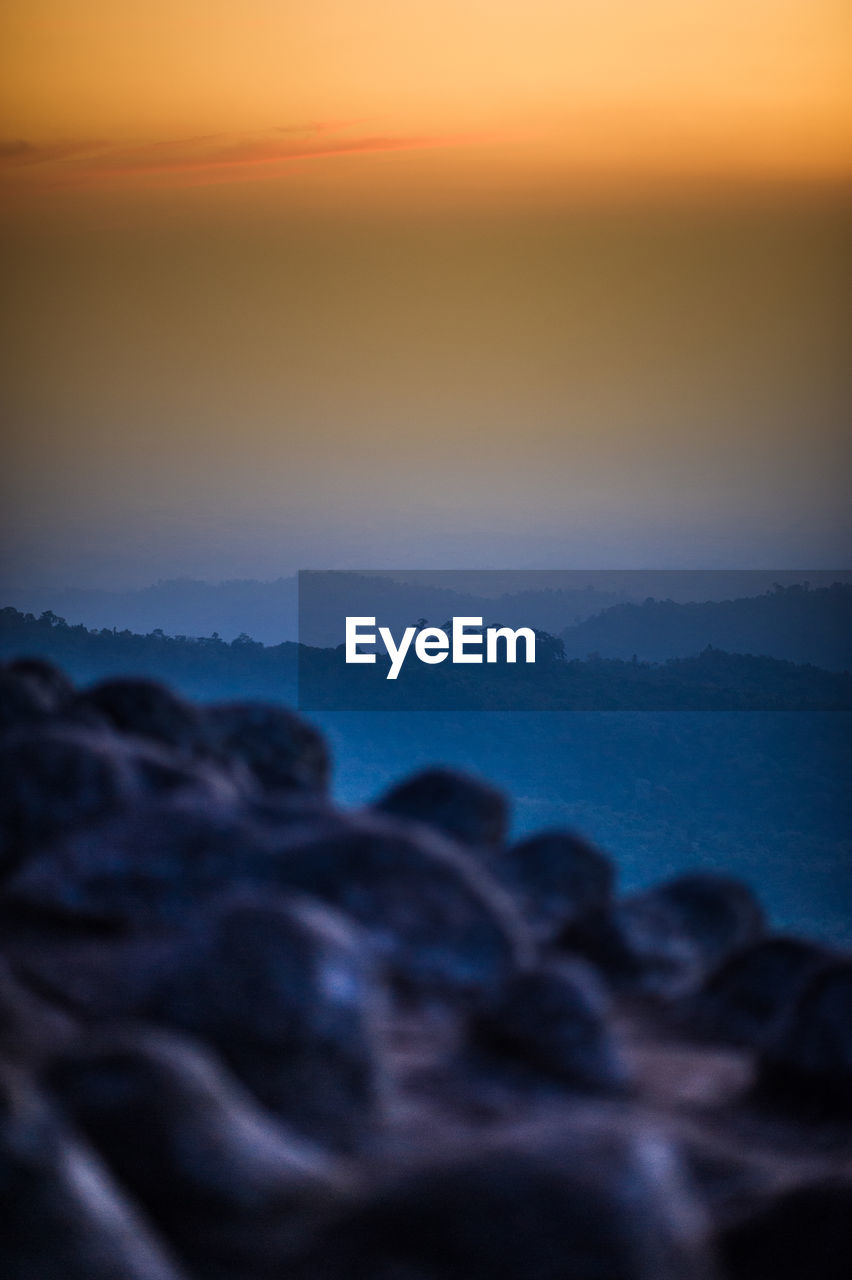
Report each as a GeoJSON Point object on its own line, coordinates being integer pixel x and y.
{"type": "Point", "coordinates": [803, 1234]}
{"type": "Point", "coordinates": [61, 1217]}
{"type": "Point", "coordinates": [665, 940]}
{"type": "Point", "coordinates": [434, 916]}
{"type": "Point", "coordinates": [380, 1045]}
{"type": "Point", "coordinates": [47, 677]}
{"type": "Point", "coordinates": [282, 751]}
{"type": "Point", "coordinates": [30, 1028]}
{"type": "Point", "coordinates": [231, 1191]}
{"type": "Point", "coordinates": [600, 1208]}
{"type": "Point", "coordinates": [153, 863]}
{"type": "Point", "coordinates": [164, 772]}
{"type": "Point", "coordinates": [806, 1066]}
{"type": "Point", "coordinates": [717, 912]}
{"type": "Point", "coordinates": [286, 991]}
{"type": "Point", "coordinates": [148, 709]}
{"type": "Point", "coordinates": [551, 1026]}
{"type": "Point", "coordinates": [557, 879]}
{"type": "Point", "coordinates": [741, 1000]}
{"type": "Point", "coordinates": [457, 804]}
{"type": "Point", "coordinates": [23, 702]}
{"type": "Point", "coordinates": [52, 781]}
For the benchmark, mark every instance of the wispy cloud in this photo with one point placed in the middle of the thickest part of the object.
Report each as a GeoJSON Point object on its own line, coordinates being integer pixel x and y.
{"type": "Point", "coordinates": [228, 156]}
{"type": "Point", "coordinates": [19, 153]}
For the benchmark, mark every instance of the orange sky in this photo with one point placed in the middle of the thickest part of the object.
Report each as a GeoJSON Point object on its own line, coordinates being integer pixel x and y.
{"type": "Point", "coordinates": [541, 93]}
{"type": "Point", "coordinates": [328, 282]}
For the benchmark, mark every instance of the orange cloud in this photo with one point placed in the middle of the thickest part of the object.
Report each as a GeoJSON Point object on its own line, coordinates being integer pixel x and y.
{"type": "Point", "coordinates": [98, 163]}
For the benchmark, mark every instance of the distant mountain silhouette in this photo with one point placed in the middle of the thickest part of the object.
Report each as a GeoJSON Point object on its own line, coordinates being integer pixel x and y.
{"type": "Point", "coordinates": [547, 600]}
{"type": "Point", "coordinates": [268, 611]}
{"type": "Point", "coordinates": [332, 596]}
{"type": "Point", "coordinates": [211, 668]}
{"type": "Point", "coordinates": [208, 668]}
{"type": "Point", "coordinates": [796, 623]}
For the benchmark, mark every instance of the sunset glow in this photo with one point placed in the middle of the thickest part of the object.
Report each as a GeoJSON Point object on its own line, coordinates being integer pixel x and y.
{"type": "Point", "coordinates": [542, 94]}
{"type": "Point", "coordinates": [300, 282]}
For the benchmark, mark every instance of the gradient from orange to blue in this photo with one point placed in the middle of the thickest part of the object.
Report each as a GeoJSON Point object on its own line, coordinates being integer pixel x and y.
{"type": "Point", "coordinates": [553, 283]}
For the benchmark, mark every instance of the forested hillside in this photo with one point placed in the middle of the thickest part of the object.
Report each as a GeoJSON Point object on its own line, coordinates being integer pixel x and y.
{"type": "Point", "coordinates": [797, 623]}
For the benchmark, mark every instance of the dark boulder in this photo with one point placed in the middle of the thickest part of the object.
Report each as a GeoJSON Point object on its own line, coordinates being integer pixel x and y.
{"type": "Point", "coordinates": [61, 1217]}
{"type": "Point", "coordinates": [22, 702]}
{"type": "Point", "coordinates": [282, 751]}
{"type": "Point", "coordinates": [148, 709]}
{"type": "Point", "coordinates": [665, 940]}
{"type": "Point", "coordinates": [557, 879]}
{"type": "Point", "coordinates": [162, 772]}
{"type": "Point", "coordinates": [551, 1026]}
{"type": "Point", "coordinates": [151, 864]}
{"type": "Point", "coordinates": [30, 1028]}
{"type": "Point", "coordinates": [806, 1066]}
{"type": "Point", "coordinates": [230, 1190]}
{"type": "Point", "coordinates": [803, 1234]}
{"type": "Point", "coordinates": [717, 912]}
{"type": "Point", "coordinates": [46, 676]}
{"type": "Point", "coordinates": [741, 1000]}
{"type": "Point", "coordinates": [596, 1209]}
{"type": "Point", "coordinates": [287, 992]}
{"type": "Point", "coordinates": [154, 863]}
{"type": "Point", "coordinates": [83, 967]}
{"type": "Point", "coordinates": [457, 804]}
{"type": "Point", "coordinates": [55, 780]}
{"type": "Point", "coordinates": [285, 989]}
{"type": "Point", "coordinates": [434, 916]}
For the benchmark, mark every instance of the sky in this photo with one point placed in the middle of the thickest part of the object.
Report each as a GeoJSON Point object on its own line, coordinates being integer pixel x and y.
{"type": "Point", "coordinates": [350, 283]}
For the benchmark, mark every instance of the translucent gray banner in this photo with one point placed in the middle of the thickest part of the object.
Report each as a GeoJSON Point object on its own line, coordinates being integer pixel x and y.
{"type": "Point", "coordinates": [585, 640]}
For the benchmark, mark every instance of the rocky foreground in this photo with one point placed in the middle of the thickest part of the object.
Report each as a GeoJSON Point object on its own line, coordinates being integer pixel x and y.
{"type": "Point", "coordinates": [246, 1035]}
